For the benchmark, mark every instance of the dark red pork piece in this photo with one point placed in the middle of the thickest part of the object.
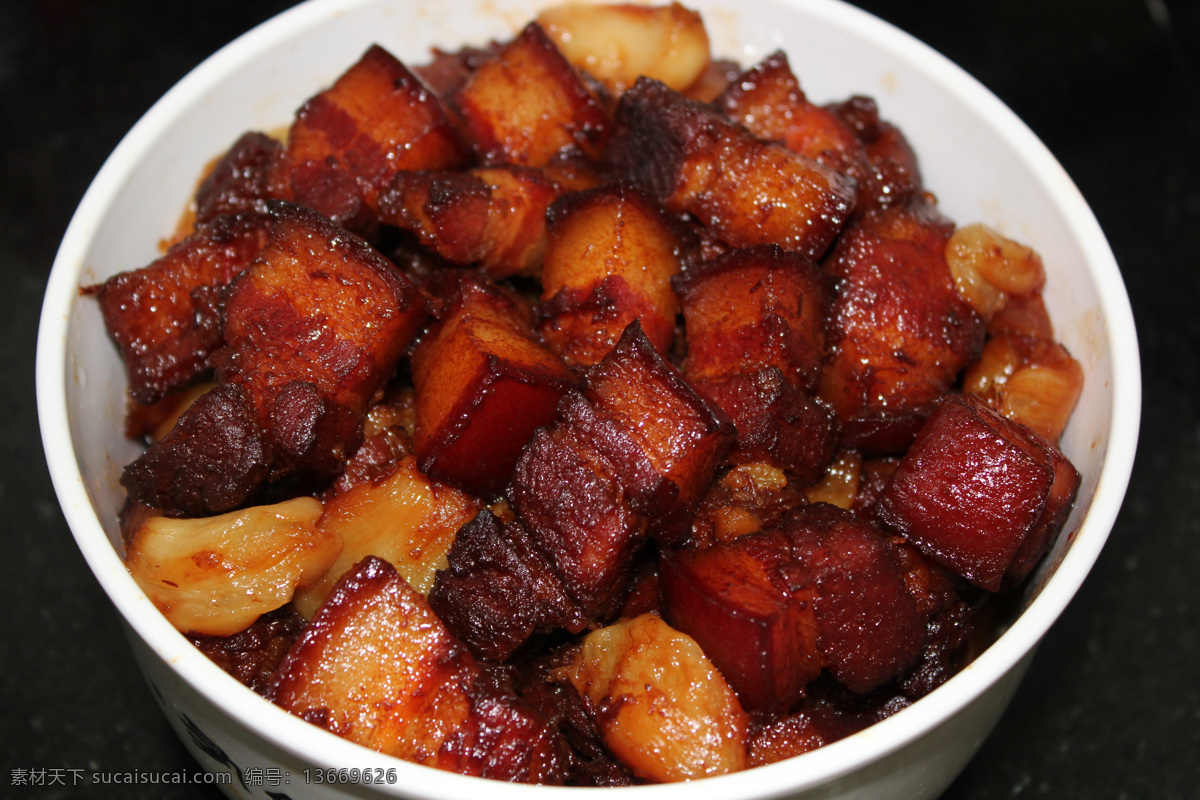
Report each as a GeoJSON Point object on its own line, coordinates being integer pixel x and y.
{"type": "Point", "coordinates": [894, 176]}
{"type": "Point", "coordinates": [746, 190]}
{"type": "Point", "coordinates": [750, 607]}
{"type": "Point", "coordinates": [899, 331]}
{"type": "Point", "coordinates": [166, 317]}
{"type": "Point", "coordinates": [313, 329]}
{"type": "Point", "coordinates": [869, 627]}
{"type": "Point", "coordinates": [979, 494]}
{"type": "Point", "coordinates": [484, 384]}
{"type": "Point", "coordinates": [756, 307]}
{"type": "Point", "coordinates": [777, 422]}
{"type": "Point", "coordinates": [348, 141]}
{"type": "Point", "coordinates": [240, 181]}
{"type": "Point", "coordinates": [768, 100]}
{"type": "Point", "coordinates": [499, 589]}
{"type": "Point", "coordinates": [628, 457]}
{"type": "Point", "coordinates": [527, 105]}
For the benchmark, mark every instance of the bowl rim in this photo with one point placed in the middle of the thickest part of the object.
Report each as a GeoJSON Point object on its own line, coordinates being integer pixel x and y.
{"type": "Point", "coordinates": [315, 745]}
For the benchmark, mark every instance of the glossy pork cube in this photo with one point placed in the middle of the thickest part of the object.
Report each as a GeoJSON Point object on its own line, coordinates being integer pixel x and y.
{"type": "Point", "coordinates": [377, 667]}
{"type": "Point", "coordinates": [750, 607]}
{"type": "Point", "coordinates": [527, 105]}
{"type": "Point", "coordinates": [684, 436]}
{"type": "Point", "coordinates": [166, 316]}
{"type": "Point", "coordinates": [313, 329]}
{"type": "Point", "coordinates": [769, 101]}
{"type": "Point", "coordinates": [493, 218]}
{"type": "Point", "coordinates": [777, 423]}
{"type": "Point", "coordinates": [348, 141]}
{"type": "Point", "coordinates": [869, 627]}
{"type": "Point", "coordinates": [483, 384]}
{"type": "Point", "coordinates": [978, 493]}
{"type": "Point", "coordinates": [499, 589]}
{"type": "Point", "coordinates": [756, 307]}
{"type": "Point", "coordinates": [610, 257]}
{"type": "Point", "coordinates": [900, 332]}
{"type": "Point", "coordinates": [241, 180]}
{"type": "Point", "coordinates": [746, 190]}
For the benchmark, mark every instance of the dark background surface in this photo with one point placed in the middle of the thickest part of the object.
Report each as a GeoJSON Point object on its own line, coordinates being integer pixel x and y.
{"type": "Point", "coordinates": [1111, 705]}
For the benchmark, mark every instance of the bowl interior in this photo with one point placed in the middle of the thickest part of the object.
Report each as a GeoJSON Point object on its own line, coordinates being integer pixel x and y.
{"type": "Point", "coordinates": [983, 164]}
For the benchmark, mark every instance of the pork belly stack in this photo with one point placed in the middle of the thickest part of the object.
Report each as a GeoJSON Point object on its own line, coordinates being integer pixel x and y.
{"type": "Point", "coordinates": [312, 329]}
{"type": "Point", "coordinates": [596, 429]}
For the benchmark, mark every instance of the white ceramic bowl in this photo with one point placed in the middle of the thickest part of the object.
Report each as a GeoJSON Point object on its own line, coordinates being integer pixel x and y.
{"type": "Point", "coordinates": [982, 162]}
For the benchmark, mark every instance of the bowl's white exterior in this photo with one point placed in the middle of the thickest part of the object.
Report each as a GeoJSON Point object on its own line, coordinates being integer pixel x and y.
{"type": "Point", "coordinates": [982, 162]}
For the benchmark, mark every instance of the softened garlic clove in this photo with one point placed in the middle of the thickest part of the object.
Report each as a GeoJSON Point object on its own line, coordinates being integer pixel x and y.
{"type": "Point", "coordinates": [216, 575]}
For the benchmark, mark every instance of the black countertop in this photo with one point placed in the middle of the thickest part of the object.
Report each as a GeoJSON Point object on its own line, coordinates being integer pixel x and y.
{"type": "Point", "coordinates": [1111, 705]}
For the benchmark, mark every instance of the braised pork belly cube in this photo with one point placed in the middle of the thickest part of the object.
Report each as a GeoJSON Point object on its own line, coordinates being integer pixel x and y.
{"type": "Point", "coordinates": [241, 180]}
{"type": "Point", "coordinates": [166, 317]}
{"type": "Point", "coordinates": [684, 436]}
{"type": "Point", "coordinates": [895, 175]}
{"type": "Point", "coordinates": [499, 589]}
{"type": "Point", "coordinates": [492, 218]}
{"type": "Point", "coordinates": [776, 422]}
{"type": "Point", "coordinates": [750, 606]}
{"type": "Point", "coordinates": [347, 142]}
{"type": "Point", "coordinates": [813, 723]}
{"type": "Point", "coordinates": [899, 331]}
{"type": "Point", "coordinates": [447, 70]}
{"type": "Point", "coordinates": [756, 307]}
{"type": "Point", "coordinates": [768, 100]}
{"type": "Point", "coordinates": [748, 191]}
{"type": "Point", "coordinates": [574, 489]}
{"type": "Point", "coordinates": [528, 104]}
{"type": "Point", "coordinates": [610, 257]}
{"type": "Point", "coordinates": [252, 656]}
{"type": "Point", "coordinates": [869, 627]}
{"type": "Point", "coordinates": [978, 493]}
{"type": "Point", "coordinates": [377, 667]}
{"type": "Point", "coordinates": [483, 384]}
{"type": "Point", "coordinates": [313, 329]}
{"type": "Point", "coordinates": [504, 737]}
{"type": "Point", "coordinates": [405, 518]}
{"type": "Point", "coordinates": [659, 703]}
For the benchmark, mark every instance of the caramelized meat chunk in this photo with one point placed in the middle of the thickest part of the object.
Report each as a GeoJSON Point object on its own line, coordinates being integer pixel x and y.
{"type": "Point", "coordinates": [253, 655]}
{"type": "Point", "coordinates": [748, 191]}
{"type": "Point", "coordinates": [241, 180]}
{"type": "Point", "coordinates": [498, 589]}
{"type": "Point", "coordinates": [610, 258]}
{"type": "Point", "coordinates": [493, 218]}
{"type": "Point", "coordinates": [751, 607]}
{"type": "Point", "coordinates": [869, 628]}
{"type": "Point", "coordinates": [899, 330]}
{"type": "Point", "coordinates": [313, 329]}
{"type": "Point", "coordinates": [768, 100]}
{"type": "Point", "coordinates": [978, 493]}
{"type": "Point", "coordinates": [527, 105]}
{"type": "Point", "coordinates": [683, 435]}
{"type": "Point", "coordinates": [166, 317]}
{"type": "Point", "coordinates": [484, 384]}
{"type": "Point", "coordinates": [776, 422]}
{"type": "Point", "coordinates": [348, 141]}
{"type": "Point", "coordinates": [756, 307]}
{"type": "Point", "coordinates": [895, 176]}
{"type": "Point", "coordinates": [376, 666]}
